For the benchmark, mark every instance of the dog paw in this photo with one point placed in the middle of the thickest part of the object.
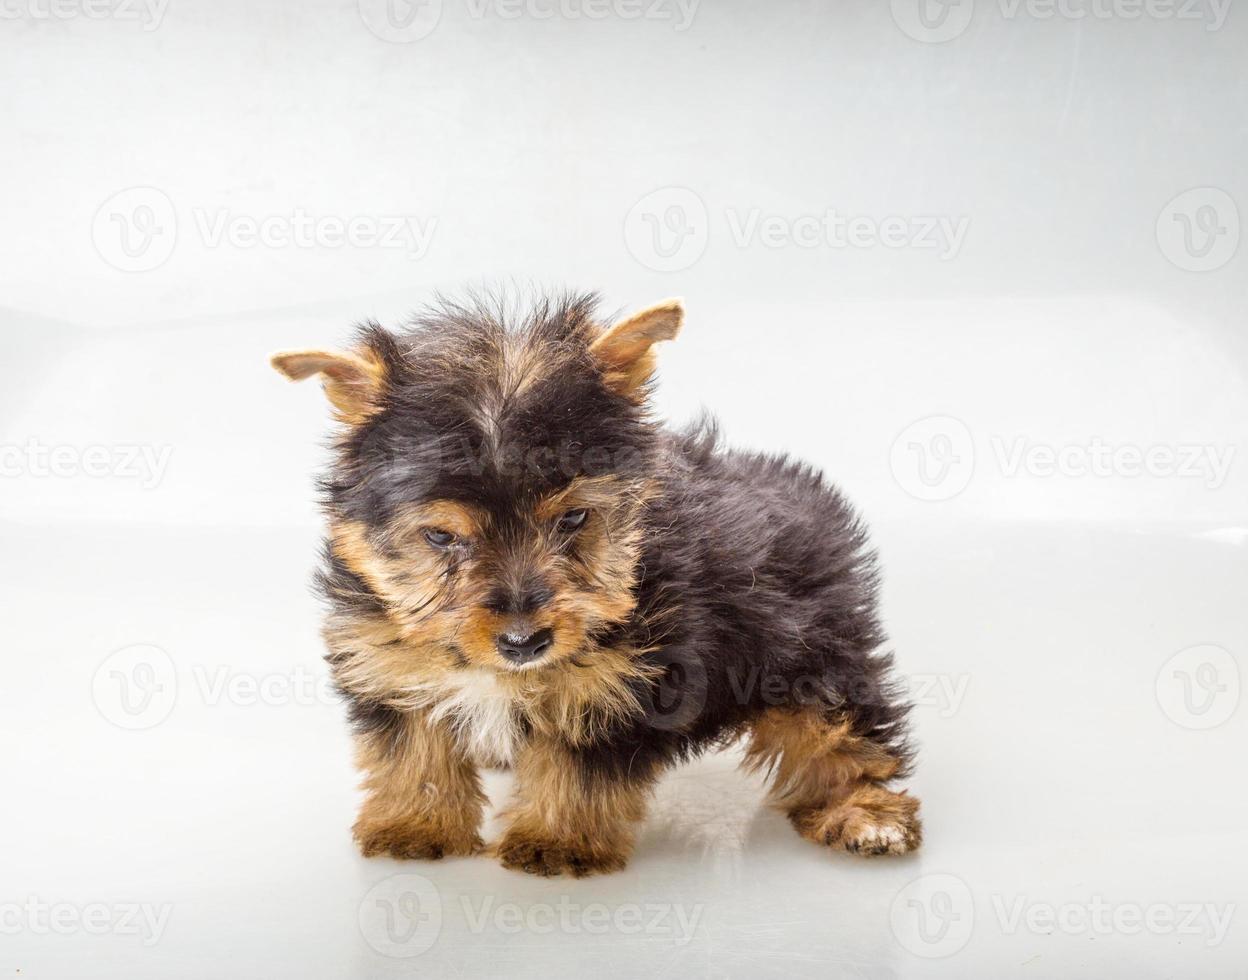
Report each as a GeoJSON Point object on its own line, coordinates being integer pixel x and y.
{"type": "Point", "coordinates": [865, 836]}
{"type": "Point", "coordinates": [549, 858]}
{"type": "Point", "coordinates": [414, 842]}
{"type": "Point", "coordinates": [869, 822]}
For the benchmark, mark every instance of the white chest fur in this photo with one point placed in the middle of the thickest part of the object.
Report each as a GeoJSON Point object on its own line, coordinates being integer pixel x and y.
{"type": "Point", "coordinates": [481, 714]}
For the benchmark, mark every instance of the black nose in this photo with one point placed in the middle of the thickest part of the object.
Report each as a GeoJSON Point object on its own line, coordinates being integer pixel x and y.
{"type": "Point", "coordinates": [522, 649]}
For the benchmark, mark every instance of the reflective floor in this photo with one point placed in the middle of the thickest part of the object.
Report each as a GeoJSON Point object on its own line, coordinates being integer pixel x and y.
{"type": "Point", "coordinates": [186, 800]}
{"type": "Point", "coordinates": [978, 261]}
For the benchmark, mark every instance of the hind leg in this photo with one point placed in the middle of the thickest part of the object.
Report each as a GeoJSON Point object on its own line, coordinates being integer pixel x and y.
{"type": "Point", "coordinates": [829, 782]}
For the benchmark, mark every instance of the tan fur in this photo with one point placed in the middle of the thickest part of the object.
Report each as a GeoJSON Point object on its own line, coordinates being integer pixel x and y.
{"type": "Point", "coordinates": [434, 658]}
{"type": "Point", "coordinates": [828, 781]}
{"type": "Point", "coordinates": [424, 798]}
{"type": "Point", "coordinates": [625, 352]}
{"type": "Point", "coordinates": [575, 700]}
{"type": "Point", "coordinates": [560, 824]}
{"type": "Point", "coordinates": [419, 653]}
{"type": "Point", "coordinates": [429, 647]}
{"type": "Point", "coordinates": [352, 381]}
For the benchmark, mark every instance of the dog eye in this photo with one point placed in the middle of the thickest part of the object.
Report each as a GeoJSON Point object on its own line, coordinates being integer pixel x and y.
{"type": "Point", "coordinates": [439, 538]}
{"type": "Point", "coordinates": [572, 521]}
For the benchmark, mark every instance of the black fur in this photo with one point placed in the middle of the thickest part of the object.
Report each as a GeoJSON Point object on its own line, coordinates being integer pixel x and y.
{"type": "Point", "coordinates": [756, 583]}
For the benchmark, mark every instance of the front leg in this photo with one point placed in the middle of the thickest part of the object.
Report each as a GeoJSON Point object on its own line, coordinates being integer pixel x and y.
{"type": "Point", "coordinates": [568, 817]}
{"type": "Point", "coordinates": [424, 796]}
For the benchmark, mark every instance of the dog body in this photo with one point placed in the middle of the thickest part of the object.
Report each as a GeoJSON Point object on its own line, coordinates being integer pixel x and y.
{"type": "Point", "coordinates": [524, 570]}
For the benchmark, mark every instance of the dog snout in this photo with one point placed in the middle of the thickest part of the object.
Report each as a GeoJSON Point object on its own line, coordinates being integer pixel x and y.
{"type": "Point", "coordinates": [523, 648]}
{"type": "Point", "coordinates": [526, 598]}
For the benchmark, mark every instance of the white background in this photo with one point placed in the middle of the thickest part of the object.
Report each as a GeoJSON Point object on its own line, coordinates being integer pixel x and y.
{"type": "Point", "coordinates": [1024, 357]}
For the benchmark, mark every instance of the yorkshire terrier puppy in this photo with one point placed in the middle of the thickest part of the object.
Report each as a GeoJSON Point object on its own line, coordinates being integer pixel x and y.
{"type": "Point", "coordinates": [523, 569]}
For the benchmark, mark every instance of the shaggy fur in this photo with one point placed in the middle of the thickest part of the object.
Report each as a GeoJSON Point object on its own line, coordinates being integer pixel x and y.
{"type": "Point", "coordinates": [497, 476]}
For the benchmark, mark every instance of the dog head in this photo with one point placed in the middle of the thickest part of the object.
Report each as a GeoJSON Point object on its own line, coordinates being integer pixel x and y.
{"type": "Point", "coordinates": [492, 472]}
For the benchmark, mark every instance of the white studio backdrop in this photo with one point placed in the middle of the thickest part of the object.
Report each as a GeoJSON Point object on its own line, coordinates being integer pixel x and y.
{"type": "Point", "coordinates": [980, 260]}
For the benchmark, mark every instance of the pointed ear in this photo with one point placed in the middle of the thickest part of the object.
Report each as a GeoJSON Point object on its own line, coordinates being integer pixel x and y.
{"type": "Point", "coordinates": [353, 382]}
{"type": "Point", "coordinates": [624, 350]}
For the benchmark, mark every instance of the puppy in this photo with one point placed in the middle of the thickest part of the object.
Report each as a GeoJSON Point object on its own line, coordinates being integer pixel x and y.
{"type": "Point", "coordinates": [523, 569]}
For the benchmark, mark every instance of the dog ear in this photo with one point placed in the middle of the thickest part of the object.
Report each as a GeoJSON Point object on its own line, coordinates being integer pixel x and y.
{"type": "Point", "coordinates": [624, 350]}
{"type": "Point", "coordinates": [353, 381]}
